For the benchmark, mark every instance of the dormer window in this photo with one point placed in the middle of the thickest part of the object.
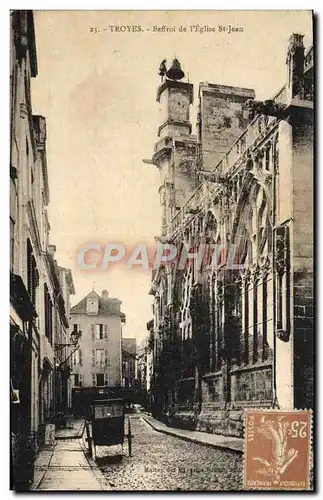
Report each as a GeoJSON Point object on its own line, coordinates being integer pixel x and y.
{"type": "Point", "coordinates": [92, 306]}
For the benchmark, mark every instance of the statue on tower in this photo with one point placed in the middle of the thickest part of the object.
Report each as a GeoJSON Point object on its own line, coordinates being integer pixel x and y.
{"type": "Point", "coordinates": [162, 69]}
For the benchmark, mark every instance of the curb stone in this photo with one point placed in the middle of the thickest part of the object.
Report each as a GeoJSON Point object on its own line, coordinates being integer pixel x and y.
{"type": "Point", "coordinates": [172, 432]}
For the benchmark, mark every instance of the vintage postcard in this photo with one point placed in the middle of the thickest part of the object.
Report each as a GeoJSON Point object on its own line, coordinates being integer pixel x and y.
{"type": "Point", "coordinates": [161, 250]}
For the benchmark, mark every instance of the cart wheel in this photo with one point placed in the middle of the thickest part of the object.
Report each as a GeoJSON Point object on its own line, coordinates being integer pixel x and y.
{"type": "Point", "coordinates": [129, 436]}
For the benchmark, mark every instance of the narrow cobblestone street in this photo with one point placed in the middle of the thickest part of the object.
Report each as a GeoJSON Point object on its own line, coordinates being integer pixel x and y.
{"type": "Point", "coordinates": [161, 462]}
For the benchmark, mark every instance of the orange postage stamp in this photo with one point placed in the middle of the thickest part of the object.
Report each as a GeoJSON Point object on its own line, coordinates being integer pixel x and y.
{"type": "Point", "coordinates": [277, 449]}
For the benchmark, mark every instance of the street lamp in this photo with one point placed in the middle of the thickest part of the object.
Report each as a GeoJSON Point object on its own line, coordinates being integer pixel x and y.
{"type": "Point", "coordinates": [75, 336]}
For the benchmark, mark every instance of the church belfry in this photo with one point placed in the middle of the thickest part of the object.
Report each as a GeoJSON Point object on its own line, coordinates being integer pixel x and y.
{"type": "Point", "coordinates": [175, 98]}
{"type": "Point", "coordinates": [175, 151]}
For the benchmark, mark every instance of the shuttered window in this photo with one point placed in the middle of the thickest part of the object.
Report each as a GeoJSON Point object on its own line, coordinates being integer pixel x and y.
{"type": "Point", "coordinates": [99, 356]}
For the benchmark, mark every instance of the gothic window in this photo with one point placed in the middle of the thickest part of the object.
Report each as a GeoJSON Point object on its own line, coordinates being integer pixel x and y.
{"type": "Point", "coordinates": [245, 248]}
{"type": "Point", "coordinates": [185, 309]}
{"type": "Point", "coordinates": [252, 230]}
{"type": "Point", "coordinates": [262, 211]}
{"type": "Point", "coordinates": [245, 319]}
{"type": "Point", "coordinates": [235, 190]}
{"type": "Point", "coordinates": [213, 350]}
{"type": "Point", "coordinates": [265, 351]}
{"type": "Point", "coordinates": [250, 316]}
{"type": "Point", "coordinates": [267, 157]}
{"type": "Point", "coordinates": [254, 325]}
{"type": "Point", "coordinates": [169, 287]}
{"type": "Point", "coordinates": [219, 323]}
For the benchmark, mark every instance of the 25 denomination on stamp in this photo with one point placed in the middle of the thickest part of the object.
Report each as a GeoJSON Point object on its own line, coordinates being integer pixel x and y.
{"type": "Point", "coordinates": [277, 449]}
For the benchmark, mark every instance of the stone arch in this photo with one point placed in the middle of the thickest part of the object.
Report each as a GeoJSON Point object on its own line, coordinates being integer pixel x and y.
{"type": "Point", "coordinates": [251, 227]}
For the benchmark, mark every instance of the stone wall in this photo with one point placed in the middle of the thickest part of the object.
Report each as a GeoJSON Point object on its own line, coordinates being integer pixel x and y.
{"type": "Point", "coordinates": [223, 117]}
{"type": "Point", "coordinates": [303, 340]}
{"type": "Point", "coordinates": [249, 387]}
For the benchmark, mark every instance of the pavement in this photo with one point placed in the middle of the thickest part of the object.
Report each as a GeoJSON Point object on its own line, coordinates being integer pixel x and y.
{"type": "Point", "coordinates": [204, 438]}
{"type": "Point", "coordinates": [66, 466]}
{"type": "Point", "coordinates": [74, 429]}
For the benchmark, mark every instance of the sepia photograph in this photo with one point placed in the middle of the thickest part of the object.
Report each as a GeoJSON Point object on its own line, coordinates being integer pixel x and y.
{"type": "Point", "coordinates": [162, 250]}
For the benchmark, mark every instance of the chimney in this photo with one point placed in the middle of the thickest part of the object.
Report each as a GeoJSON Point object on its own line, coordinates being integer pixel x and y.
{"type": "Point", "coordinates": [105, 295]}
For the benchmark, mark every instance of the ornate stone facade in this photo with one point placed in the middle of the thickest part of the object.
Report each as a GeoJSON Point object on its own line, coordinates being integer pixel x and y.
{"type": "Point", "coordinates": [236, 332]}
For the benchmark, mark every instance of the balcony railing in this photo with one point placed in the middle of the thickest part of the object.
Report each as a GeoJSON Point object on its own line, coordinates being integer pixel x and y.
{"type": "Point", "coordinates": [253, 135]}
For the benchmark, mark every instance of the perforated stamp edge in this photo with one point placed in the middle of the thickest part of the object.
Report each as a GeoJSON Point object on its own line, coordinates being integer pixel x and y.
{"type": "Point", "coordinates": [310, 471]}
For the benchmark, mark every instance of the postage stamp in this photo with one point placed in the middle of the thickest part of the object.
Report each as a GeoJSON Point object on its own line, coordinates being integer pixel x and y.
{"type": "Point", "coordinates": [277, 449]}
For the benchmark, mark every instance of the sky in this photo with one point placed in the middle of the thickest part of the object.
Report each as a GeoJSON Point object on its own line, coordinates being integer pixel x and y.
{"type": "Point", "coordinates": [97, 91]}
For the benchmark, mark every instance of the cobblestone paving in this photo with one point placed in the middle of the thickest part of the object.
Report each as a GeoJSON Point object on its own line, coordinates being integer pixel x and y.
{"type": "Point", "coordinates": [162, 462]}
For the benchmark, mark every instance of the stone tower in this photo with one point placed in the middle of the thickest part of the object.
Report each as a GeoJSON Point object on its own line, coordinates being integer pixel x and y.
{"type": "Point", "coordinates": [175, 151]}
{"type": "Point", "coordinates": [222, 118]}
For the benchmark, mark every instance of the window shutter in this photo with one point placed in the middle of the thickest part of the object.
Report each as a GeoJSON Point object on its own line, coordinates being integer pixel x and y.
{"type": "Point", "coordinates": [106, 332]}
{"type": "Point", "coordinates": [80, 357]}
{"type": "Point", "coordinates": [93, 357]}
{"type": "Point", "coordinates": [93, 379]}
{"type": "Point", "coordinates": [106, 357]}
{"type": "Point", "coordinates": [93, 332]}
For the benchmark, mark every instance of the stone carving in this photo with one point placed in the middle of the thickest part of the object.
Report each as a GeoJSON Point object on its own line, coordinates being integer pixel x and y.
{"type": "Point", "coordinates": [282, 249]}
{"type": "Point", "coordinates": [267, 108]}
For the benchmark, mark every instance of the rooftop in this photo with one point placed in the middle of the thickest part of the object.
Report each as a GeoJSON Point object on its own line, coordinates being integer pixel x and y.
{"type": "Point", "coordinates": [108, 306]}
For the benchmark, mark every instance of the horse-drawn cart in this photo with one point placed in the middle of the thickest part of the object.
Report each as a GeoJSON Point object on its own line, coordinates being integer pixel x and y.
{"type": "Point", "coordinates": [108, 425]}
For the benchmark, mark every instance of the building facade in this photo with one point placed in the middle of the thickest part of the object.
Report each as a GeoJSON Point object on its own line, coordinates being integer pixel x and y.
{"type": "Point", "coordinates": [233, 326]}
{"type": "Point", "coordinates": [37, 308]}
{"type": "Point", "coordinates": [97, 362]}
{"type": "Point", "coordinates": [145, 362]}
{"type": "Point", "coordinates": [129, 362]}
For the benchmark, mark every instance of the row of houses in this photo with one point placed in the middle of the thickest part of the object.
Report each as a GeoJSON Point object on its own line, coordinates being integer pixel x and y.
{"type": "Point", "coordinates": [40, 289]}
{"type": "Point", "coordinates": [229, 334]}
